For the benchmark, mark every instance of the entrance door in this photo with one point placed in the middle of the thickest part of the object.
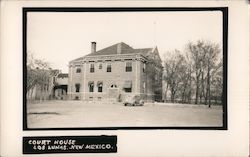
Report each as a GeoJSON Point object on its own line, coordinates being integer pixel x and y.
{"type": "Point", "coordinates": [113, 94]}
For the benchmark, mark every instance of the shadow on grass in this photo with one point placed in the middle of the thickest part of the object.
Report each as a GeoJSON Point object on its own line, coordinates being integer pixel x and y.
{"type": "Point", "coordinates": [55, 113]}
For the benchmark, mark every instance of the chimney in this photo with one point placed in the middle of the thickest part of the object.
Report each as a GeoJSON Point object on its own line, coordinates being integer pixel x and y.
{"type": "Point", "coordinates": [93, 47]}
{"type": "Point", "coordinates": [119, 48]}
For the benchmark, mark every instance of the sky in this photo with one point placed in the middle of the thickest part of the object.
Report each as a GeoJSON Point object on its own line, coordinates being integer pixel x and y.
{"type": "Point", "coordinates": [58, 37]}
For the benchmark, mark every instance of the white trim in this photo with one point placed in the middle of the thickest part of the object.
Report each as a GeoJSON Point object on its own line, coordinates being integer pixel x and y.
{"type": "Point", "coordinates": [84, 82]}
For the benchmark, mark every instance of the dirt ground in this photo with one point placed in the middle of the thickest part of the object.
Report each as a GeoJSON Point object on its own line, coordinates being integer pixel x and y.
{"type": "Point", "coordinates": [66, 114]}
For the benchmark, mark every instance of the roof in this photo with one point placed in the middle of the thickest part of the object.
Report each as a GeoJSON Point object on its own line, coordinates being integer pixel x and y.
{"type": "Point", "coordinates": [112, 50]}
{"type": "Point", "coordinates": [62, 75]}
{"type": "Point", "coordinates": [54, 71]}
{"type": "Point", "coordinates": [125, 49]}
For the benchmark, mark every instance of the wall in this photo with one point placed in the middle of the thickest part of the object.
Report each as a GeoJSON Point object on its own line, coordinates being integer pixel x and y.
{"type": "Point", "coordinates": [117, 76]}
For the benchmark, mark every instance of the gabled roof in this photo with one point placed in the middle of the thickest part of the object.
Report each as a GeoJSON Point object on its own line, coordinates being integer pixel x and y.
{"type": "Point", "coordinates": [112, 50]}
{"type": "Point", "coordinates": [125, 49]}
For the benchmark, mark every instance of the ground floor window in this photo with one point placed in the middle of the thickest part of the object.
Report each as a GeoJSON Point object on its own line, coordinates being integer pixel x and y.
{"type": "Point", "coordinates": [127, 86]}
{"type": "Point", "coordinates": [144, 87]}
{"type": "Point", "coordinates": [113, 86]}
{"type": "Point", "coordinates": [128, 90]}
{"type": "Point", "coordinates": [91, 86]}
{"type": "Point", "coordinates": [77, 86]}
{"type": "Point", "coordinates": [99, 86]}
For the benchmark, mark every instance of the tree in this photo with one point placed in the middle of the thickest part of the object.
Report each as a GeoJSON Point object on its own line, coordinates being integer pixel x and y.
{"type": "Point", "coordinates": [196, 73]}
{"type": "Point", "coordinates": [175, 67]}
{"type": "Point", "coordinates": [216, 87]}
{"type": "Point", "coordinates": [204, 59]}
{"type": "Point", "coordinates": [38, 75]}
{"type": "Point", "coordinates": [197, 56]}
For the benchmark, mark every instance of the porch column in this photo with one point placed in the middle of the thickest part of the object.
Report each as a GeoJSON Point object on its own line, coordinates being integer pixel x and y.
{"type": "Point", "coordinates": [137, 76]}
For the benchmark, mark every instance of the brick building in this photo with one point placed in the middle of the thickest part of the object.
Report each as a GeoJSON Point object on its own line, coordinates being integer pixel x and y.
{"type": "Point", "coordinates": [115, 72]}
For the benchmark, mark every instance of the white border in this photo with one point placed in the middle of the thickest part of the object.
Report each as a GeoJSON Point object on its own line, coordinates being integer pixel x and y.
{"type": "Point", "coordinates": [231, 142]}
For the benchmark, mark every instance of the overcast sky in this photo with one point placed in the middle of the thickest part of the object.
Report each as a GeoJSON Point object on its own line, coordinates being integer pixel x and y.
{"type": "Point", "coordinates": [61, 37]}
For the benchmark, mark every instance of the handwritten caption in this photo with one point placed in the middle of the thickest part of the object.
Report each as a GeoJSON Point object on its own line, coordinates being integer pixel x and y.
{"type": "Point", "coordinates": [80, 144]}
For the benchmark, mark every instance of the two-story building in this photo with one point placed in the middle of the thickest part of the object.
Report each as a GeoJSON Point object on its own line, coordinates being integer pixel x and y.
{"type": "Point", "coordinates": [60, 86]}
{"type": "Point", "coordinates": [114, 72]}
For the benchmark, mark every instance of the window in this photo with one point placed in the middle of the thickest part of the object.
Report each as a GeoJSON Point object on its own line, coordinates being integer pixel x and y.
{"type": "Point", "coordinates": [100, 66]}
{"type": "Point", "coordinates": [144, 87]}
{"type": "Point", "coordinates": [128, 90]}
{"type": "Point", "coordinates": [99, 86]}
{"type": "Point", "coordinates": [127, 86]}
{"type": "Point", "coordinates": [91, 86]}
{"type": "Point", "coordinates": [92, 68]}
{"type": "Point", "coordinates": [128, 66]}
{"type": "Point", "coordinates": [144, 67]}
{"type": "Point", "coordinates": [78, 70]}
{"type": "Point", "coordinates": [113, 86]}
{"type": "Point", "coordinates": [156, 77]}
{"type": "Point", "coordinates": [77, 87]}
{"type": "Point", "coordinates": [109, 67]}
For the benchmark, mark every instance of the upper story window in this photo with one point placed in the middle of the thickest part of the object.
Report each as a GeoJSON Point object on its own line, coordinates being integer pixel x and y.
{"type": "Point", "coordinates": [128, 66]}
{"type": "Point", "coordinates": [100, 66]}
{"type": "Point", "coordinates": [109, 68]}
{"type": "Point", "coordinates": [78, 70]}
{"type": "Point", "coordinates": [91, 86]}
{"type": "Point", "coordinates": [92, 68]}
{"type": "Point", "coordinates": [77, 86]}
{"type": "Point", "coordinates": [144, 67]}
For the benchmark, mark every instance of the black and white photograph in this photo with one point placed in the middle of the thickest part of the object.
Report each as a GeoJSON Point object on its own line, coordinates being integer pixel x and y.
{"type": "Point", "coordinates": [124, 78]}
{"type": "Point", "coordinates": [123, 69]}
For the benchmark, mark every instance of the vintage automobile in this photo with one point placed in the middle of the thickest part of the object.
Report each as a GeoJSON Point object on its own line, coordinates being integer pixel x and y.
{"type": "Point", "coordinates": [133, 100]}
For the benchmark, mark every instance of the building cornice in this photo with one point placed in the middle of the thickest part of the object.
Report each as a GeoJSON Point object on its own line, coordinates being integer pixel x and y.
{"type": "Point", "coordinates": [112, 58]}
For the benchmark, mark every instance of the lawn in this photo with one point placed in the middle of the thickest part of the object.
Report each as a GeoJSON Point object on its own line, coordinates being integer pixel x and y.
{"type": "Point", "coordinates": [66, 114]}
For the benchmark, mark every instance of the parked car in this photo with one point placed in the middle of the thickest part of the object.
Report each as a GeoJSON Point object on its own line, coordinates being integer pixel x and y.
{"type": "Point", "coordinates": [133, 100]}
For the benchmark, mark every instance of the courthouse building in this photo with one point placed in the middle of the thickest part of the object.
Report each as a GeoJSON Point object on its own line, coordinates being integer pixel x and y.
{"type": "Point", "coordinates": [114, 72]}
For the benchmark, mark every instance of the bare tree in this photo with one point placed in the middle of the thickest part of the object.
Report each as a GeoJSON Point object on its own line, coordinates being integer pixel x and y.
{"type": "Point", "coordinates": [205, 56]}
{"type": "Point", "coordinates": [38, 75]}
{"type": "Point", "coordinates": [197, 56]}
{"type": "Point", "coordinates": [212, 52]}
{"type": "Point", "coordinates": [197, 72]}
{"type": "Point", "coordinates": [174, 69]}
